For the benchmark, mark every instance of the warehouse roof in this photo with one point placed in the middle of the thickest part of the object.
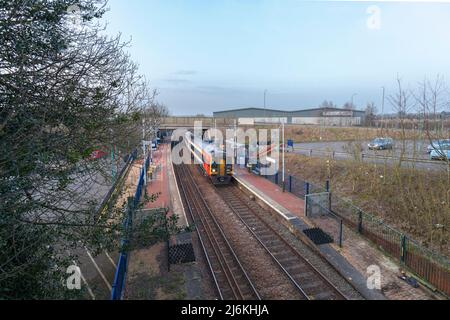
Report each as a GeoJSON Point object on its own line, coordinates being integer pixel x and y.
{"type": "Point", "coordinates": [246, 109]}
{"type": "Point", "coordinates": [286, 111]}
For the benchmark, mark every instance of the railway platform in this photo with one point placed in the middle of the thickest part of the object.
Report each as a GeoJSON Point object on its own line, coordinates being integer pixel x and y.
{"type": "Point", "coordinates": [286, 204]}
{"type": "Point", "coordinates": [292, 210]}
{"type": "Point", "coordinates": [149, 276]}
{"type": "Point", "coordinates": [353, 260]}
{"type": "Point", "coordinates": [161, 182]}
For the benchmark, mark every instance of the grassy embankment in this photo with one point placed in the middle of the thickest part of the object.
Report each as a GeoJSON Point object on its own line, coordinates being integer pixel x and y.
{"type": "Point", "coordinates": [415, 202]}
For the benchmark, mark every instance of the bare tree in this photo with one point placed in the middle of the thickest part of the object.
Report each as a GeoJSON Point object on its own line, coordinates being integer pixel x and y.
{"type": "Point", "coordinates": [432, 99]}
{"type": "Point", "coordinates": [349, 106]}
{"type": "Point", "coordinates": [328, 104]}
{"type": "Point", "coordinates": [402, 104]}
{"type": "Point", "coordinates": [371, 111]}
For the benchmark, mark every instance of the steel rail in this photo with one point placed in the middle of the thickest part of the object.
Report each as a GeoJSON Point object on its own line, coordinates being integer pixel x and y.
{"type": "Point", "coordinates": [228, 194]}
{"type": "Point", "coordinates": [211, 269]}
{"type": "Point", "coordinates": [216, 237]}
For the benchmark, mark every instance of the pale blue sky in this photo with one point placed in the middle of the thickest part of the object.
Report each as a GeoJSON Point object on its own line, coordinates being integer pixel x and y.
{"type": "Point", "coordinates": [210, 55]}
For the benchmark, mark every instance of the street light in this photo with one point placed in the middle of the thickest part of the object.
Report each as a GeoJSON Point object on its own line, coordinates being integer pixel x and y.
{"type": "Point", "coordinates": [353, 96]}
{"type": "Point", "coordinates": [382, 109]}
{"type": "Point", "coordinates": [283, 158]}
{"type": "Point", "coordinates": [284, 163]}
{"type": "Point", "coordinates": [144, 146]}
{"type": "Point", "coordinates": [265, 99]}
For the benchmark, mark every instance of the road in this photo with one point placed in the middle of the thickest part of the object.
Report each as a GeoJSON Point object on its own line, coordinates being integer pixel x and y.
{"type": "Point", "coordinates": [97, 271]}
{"type": "Point", "coordinates": [415, 153]}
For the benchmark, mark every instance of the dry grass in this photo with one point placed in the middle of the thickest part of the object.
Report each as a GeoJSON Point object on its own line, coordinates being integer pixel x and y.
{"type": "Point", "coordinates": [415, 202]}
{"type": "Point", "coordinates": [304, 133]}
{"type": "Point", "coordinates": [315, 133]}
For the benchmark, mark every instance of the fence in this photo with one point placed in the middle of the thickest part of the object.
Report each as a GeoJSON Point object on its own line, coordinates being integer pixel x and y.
{"type": "Point", "coordinates": [317, 209]}
{"type": "Point", "coordinates": [121, 271]}
{"type": "Point", "coordinates": [362, 156]}
{"type": "Point", "coordinates": [296, 186]}
{"type": "Point", "coordinates": [336, 214]}
{"type": "Point", "coordinates": [428, 265]}
{"type": "Point", "coordinates": [112, 194]}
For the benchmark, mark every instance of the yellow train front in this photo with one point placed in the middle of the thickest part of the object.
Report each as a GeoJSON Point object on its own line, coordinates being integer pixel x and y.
{"type": "Point", "coordinates": [213, 161]}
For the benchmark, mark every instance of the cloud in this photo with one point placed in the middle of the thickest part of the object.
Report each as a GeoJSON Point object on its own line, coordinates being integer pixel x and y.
{"type": "Point", "coordinates": [176, 81]}
{"type": "Point", "coordinates": [185, 72]}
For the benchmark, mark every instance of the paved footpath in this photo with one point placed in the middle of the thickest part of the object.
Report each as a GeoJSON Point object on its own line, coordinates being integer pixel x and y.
{"type": "Point", "coordinates": [352, 261]}
{"type": "Point", "coordinates": [162, 181]}
{"type": "Point", "coordinates": [158, 182]}
{"type": "Point", "coordinates": [291, 203]}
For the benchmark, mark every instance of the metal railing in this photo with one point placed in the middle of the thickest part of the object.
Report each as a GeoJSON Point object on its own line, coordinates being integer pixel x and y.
{"type": "Point", "coordinates": [296, 186]}
{"type": "Point", "coordinates": [427, 265]}
{"type": "Point", "coordinates": [118, 288]}
{"type": "Point", "coordinates": [317, 208]}
{"type": "Point", "coordinates": [111, 196]}
{"type": "Point", "coordinates": [362, 155]}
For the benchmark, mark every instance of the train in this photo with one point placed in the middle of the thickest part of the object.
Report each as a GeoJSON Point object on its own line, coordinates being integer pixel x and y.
{"type": "Point", "coordinates": [212, 159]}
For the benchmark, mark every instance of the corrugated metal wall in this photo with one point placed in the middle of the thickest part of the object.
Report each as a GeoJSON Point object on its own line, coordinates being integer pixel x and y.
{"type": "Point", "coordinates": [320, 116]}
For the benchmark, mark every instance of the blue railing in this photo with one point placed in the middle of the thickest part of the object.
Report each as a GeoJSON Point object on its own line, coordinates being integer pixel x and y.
{"type": "Point", "coordinates": [122, 267]}
{"type": "Point", "coordinates": [296, 186]}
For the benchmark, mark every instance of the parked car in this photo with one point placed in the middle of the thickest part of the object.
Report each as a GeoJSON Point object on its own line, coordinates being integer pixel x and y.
{"type": "Point", "coordinates": [435, 145]}
{"type": "Point", "coordinates": [382, 144]}
{"type": "Point", "coordinates": [442, 152]}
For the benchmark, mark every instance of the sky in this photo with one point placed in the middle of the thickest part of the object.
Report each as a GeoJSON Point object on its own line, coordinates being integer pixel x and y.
{"type": "Point", "coordinates": [206, 56]}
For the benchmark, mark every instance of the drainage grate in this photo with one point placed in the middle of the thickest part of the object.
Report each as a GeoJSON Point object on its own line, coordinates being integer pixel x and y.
{"type": "Point", "coordinates": [181, 253]}
{"type": "Point", "coordinates": [318, 236]}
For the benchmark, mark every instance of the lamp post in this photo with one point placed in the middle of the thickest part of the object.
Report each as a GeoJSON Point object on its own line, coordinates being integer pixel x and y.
{"type": "Point", "coordinates": [265, 106]}
{"type": "Point", "coordinates": [284, 163]}
{"type": "Point", "coordinates": [143, 146]}
{"type": "Point", "coordinates": [382, 109]}
{"type": "Point", "coordinates": [113, 156]}
{"type": "Point", "coordinates": [353, 98]}
{"type": "Point", "coordinates": [235, 150]}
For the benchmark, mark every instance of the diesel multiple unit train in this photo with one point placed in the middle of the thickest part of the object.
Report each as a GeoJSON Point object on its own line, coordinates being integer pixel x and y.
{"type": "Point", "coordinates": [212, 160]}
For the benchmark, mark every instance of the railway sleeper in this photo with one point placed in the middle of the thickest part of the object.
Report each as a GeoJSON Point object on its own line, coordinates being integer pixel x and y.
{"type": "Point", "coordinates": [266, 238]}
{"type": "Point", "coordinates": [312, 287]}
{"type": "Point", "coordinates": [250, 219]}
{"type": "Point", "coordinates": [295, 269]}
{"type": "Point", "coordinates": [275, 243]}
{"type": "Point", "coordinates": [276, 247]}
{"type": "Point", "coordinates": [282, 255]}
{"type": "Point", "coordinates": [325, 295]}
{"type": "Point", "coordinates": [288, 261]}
{"type": "Point", "coordinates": [267, 291]}
{"type": "Point", "coordinates": [303, 275]}
{"type": "Point", "coordinates": [259, 229]}
{"type": "Point", "coordinates": [264, 233]}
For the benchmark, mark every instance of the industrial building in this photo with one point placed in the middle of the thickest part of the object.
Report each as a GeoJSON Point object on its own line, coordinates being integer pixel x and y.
{"type": "Point", "coordinates": [317, 116]}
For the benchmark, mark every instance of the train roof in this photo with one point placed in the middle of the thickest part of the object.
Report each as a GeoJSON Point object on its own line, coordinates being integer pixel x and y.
{"type": "Point", "coordinates": [207, 146]}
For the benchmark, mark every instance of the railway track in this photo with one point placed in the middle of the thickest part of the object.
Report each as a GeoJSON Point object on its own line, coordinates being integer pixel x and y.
{"type": "Point", "coordinates": [230, 277]}
{"type": "Point", "coordinates": [308, 280]}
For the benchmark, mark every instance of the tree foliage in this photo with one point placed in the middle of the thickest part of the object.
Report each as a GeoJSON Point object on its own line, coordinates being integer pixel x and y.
{"type": "Point", "coordinates": [66, 90]}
